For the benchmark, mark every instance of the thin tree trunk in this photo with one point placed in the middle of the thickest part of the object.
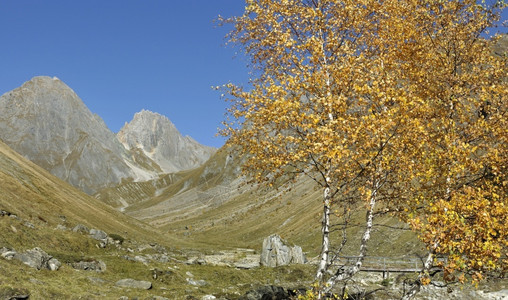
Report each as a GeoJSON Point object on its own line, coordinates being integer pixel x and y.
{"type": "Point", "coordinates": [325, 230]}
{"type": "Point", "coordinates": [416, 285]}
{"type": "Point", "coordinates": [350, 272]}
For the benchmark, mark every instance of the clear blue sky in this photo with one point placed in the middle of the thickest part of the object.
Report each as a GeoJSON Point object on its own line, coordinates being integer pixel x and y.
{"type": "Point", "coordinates": [121, 56]}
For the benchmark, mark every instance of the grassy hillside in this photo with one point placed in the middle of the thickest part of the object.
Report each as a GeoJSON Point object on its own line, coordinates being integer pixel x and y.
{"type": "Point", "coordinates": [36, 202]}
{"type": "Point", "coordinates": [36, 196]}
{"type": "Point", "coordinates": [212, 207]}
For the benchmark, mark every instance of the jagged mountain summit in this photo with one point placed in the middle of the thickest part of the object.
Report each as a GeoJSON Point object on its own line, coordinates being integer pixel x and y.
{"type": "Point", "coordinates": [157, 137]}
{"type": "Point", "coordinates": [45, 121]}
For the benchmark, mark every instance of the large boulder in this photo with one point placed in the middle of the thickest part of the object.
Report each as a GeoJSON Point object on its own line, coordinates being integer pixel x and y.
{"type": "Point", "coordinates": [38, 259]}
{"type": "Point", "coordinates": [98, 235]}
{"type": "Point", "coordinates": [276, 252]}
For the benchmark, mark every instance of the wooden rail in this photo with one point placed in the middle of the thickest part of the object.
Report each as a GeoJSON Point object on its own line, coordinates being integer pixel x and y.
{"type": "Point", "coordinates": [385, 265]}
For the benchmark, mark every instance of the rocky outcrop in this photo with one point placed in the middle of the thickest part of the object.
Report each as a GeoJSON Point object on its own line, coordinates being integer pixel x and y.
{"type": "Point", "coordinates": [159, 139]}
{"type": "Point", "coordinates": [276, 252]}
{"type": "Point", "coordinates": [45, 121]}
{"type": "Point", "coordinates": [134, 284]}
{"type": "Point", "coordinates": [35, 258]}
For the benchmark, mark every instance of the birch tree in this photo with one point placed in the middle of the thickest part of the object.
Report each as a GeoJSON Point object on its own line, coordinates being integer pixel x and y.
{"type": "Point", "coordinates": [393, 105]}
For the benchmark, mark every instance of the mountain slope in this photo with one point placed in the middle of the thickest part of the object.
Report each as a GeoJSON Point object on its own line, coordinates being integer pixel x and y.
{"type": "Point", "coordinates": [159, 139]}
{"type": "Point", "coordinates": [33, 194]}
{"type": "Point", "coordinates": [49, 124]}
{"type": "Point", "coordinates": [213, 207]}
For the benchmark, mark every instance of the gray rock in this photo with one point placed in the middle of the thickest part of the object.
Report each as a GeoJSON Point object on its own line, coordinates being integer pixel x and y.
{"type": "Point", "coordinates": [163, 258]}
{"type": "Point", "coordinates": [297, 255]}
{"type": "Point", "coordinates": [61, 227]}
{"type": "Point", "coordinates": [276, 252]}
{"type": "Point", "coordinates": [97, 266]}
{"type": "Point", "coordinates": [196, 282]}
{"type": "Point", "coordinates": [38, 259]}
{"type": "Point", "coordinates": [35, 281]}
{"type": "Point", "coordinates": [7, 253]}
{"type": "Point", "coordinates": [246, 264]}
{"type": "Point", "coordinates": [208, 297]}
{"type": "Point", "coordinates": [4, 213]}
{"type": "Point", "coordinates": [135, 284]}
{"type": "Point", "coordinates": [98, 235]}
{"type": "Point", "coordinates": [54, 264]}
{"type": "Point", "coordinates": [97, 281]}
{"type": "Point", "coordinates": [141, 259]}
{"type": "Point", "coordinates": [81, 229]}
{"type": "Point", "coordinates": [29, 225]}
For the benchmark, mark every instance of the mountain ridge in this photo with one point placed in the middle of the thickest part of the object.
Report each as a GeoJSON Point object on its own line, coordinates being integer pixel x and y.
{"type": "Point", "coordinates": [47, 122]}
{"type": "Point", "coordinates": [157, 137]}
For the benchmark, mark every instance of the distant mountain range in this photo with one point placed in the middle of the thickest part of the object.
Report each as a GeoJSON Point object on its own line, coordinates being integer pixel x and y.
{"type": "Point", "coordinates": [45, 121]}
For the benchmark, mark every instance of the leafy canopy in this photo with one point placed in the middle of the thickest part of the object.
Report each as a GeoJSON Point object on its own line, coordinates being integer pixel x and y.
{"type": "Point", "coordinates": [403, 100]}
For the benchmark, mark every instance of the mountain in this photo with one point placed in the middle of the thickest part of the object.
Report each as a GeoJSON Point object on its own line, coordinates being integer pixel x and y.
{"type": "Point", "coordinates": [47, 122]}
{"type": "Point", "coordinates": [159, 139]}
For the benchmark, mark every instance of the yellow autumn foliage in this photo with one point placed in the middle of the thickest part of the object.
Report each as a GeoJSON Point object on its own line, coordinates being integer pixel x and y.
{"type": "Point", "coordinates": [401, 100]}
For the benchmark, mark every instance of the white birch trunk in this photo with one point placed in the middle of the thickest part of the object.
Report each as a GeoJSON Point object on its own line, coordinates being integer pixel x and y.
{"type": "Point", "coordinates": [350, 272]}
{"type": "Point", "coordinates": [325, 230]}
{"type": "Point", "coordinates": [415, 287]}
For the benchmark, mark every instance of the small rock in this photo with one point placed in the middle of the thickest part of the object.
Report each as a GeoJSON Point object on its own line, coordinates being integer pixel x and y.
{"type": "Point", "coordinates": [97, 266]}
{"type": "Point", "coordinates": [97, 281]}
{"type": "Point", "coordinates": [7, 253]}
{"type": "Point", "coordinates": [208, 297]}
{"type": "Point", "coordinates": [81, 229]}
{"type": "Point", "coordinates": [136, 284]}
{"type": "Point", "coordinates": [4, 213]}
{"type": "Point", "coordinates": [35, 281]}
{"type": "Point", "coordinates": [61, 227]}
{"type": "Point", "coordinates": [196, 282]}
{"type": "Point", "coordinates": [54, 264]}
{"type": "Point", "coordinates": [29, 225]}
{"type": "Point", "coordinates": [141, 259]}
{"type": "Point", "coordinates": [189, 274]}
{"type": "Point", "coordinates": [123, 298]}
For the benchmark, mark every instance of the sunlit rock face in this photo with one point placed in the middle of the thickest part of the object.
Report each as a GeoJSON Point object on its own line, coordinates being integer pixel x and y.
{"type": "Point", "coordinates": [45, 121]}
{"type": "Point", "coordinates": [159, 139]}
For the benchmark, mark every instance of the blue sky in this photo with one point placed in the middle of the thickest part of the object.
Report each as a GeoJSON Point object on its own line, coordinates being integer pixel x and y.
{"type": "Point", "coordinates": [122, 56]}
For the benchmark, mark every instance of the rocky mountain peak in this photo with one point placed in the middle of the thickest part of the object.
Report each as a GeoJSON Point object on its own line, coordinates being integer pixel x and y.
{"type": "Point", "coordinates": [45, 121]}
{"type": "Point", "coordinates": [157, 137]}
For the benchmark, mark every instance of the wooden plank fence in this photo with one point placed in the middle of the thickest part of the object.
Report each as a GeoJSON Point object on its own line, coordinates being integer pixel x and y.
{"type": "Point", "coordinates": [385, 265]}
